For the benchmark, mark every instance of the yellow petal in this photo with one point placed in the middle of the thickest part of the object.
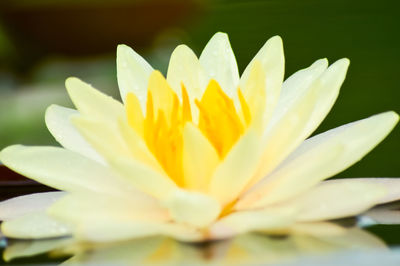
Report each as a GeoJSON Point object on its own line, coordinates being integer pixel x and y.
{"type": "Point", "coordinates": [162, 94]}
{"type": "Point", "coordinates": [199, 159]}
{"type": "Point", "coordinates": [133, 73]}
{"type": "Point", "coordinates": [272, 61]}
{"type": "Point", "coordinates": [134, 114]}
{"type": "Point", "coordinates": [192, 208]}
{"type": "Point", "coordinates": [92, 102]}
{"type": "Point", "coordinates": [236, 170]}
{"type": "Point", "coordinates": [219, 61]}
{"type": "Point", "coordinates": [254, 91]}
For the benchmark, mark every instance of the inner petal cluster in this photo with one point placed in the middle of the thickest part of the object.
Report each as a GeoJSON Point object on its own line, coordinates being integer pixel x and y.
{"type": "Point", "coordinates": [163, 123]}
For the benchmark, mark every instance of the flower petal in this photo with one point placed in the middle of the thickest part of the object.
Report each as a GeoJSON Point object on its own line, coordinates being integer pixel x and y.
{"type": "Point", "coordinates": [392, 186]}
{"type": "Point", "coordinates": [58, 122]}
{"type": "Point", "coordinates": [192, 208]}
{"type": "Point", "coordinates": [329, 84]}
{"type": "Point", "coordinates": [143, 177]}
{"type": "Point", "coordinates": [292, 177]}
{"type": "Point", "coordinates": [219, 61]}
{"type": "Point", "coordinates": [236, 170]}
{"type": "Point", "coordinates": [133, 73]}
{"type": "Point", "coordinates": [34, 225]}
{"type": "Point", "coordinates": [280, 140]}
{"type": "Point", "coordinates": [199, 159]}
{"type": "Point", "coordinates": [273, 219]}
{"type": "Point", "coordinates": [19, 206]}
{"type": "Point", "coordinates": [26, 249]}
{"type": "Point", "coordinates": [63, 169]}
{"type": "Point", "coordinates": [331, 152]}
{"type": "Point", "coordinates": [92, 102]}
{"type": "Point", "coordinates": [332, 200]}
{"type": "Point", "coordinates": [184, 67]}
{"type": "Point", "coordinates": [104, 137]}
{"type": "Point", "coordinates": [77, 207]}
{"type": "Point", "coordinates": [326, 85]}
{"type": "Point", "coordinates": [297, 84]}
{"type": "Point", "coordinates": [272, 60]}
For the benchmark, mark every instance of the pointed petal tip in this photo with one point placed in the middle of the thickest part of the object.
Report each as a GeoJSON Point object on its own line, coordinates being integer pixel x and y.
{"type": "Point", "coordinates": [71, 82]}
{"type": "Point", "coordinates": [121, 48]}
{"type": "Point", "coordinates": [220, 34]}
{"type": "Point", "coordinates": [342, 63]}
{"type": "Point", "coordinates": [393, 116]}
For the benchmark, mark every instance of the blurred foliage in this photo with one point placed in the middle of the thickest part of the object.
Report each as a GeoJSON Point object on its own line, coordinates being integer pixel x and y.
{"type": "Point", "coordinates": [364, 31]}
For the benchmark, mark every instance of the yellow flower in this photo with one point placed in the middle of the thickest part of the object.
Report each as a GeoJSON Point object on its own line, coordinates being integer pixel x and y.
{"type": "Point", "coordinates": [200, 155]}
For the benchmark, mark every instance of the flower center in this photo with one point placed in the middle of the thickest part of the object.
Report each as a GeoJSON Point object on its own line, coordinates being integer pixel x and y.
{"type": "Point", "coordinates": [162, 126]}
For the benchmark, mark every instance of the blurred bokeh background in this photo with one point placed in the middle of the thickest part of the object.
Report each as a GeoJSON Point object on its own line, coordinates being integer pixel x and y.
{"type": "Point", "coordinates": [42, 42]}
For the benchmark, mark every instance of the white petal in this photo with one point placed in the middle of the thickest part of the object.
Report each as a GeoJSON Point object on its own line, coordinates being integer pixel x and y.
{"type": "Point", "coordinates": [329, 84]}
{"type": "Point", "coordinates": [76, 208]}
{"type": "Point", "coordinates": [103, 136]}
{"type": "Point", "coordinates": [107, 230]}
{"type": "Point", "coordinates": [58, 122]}
{"type": "Point", "coordinates": [392, 186]}
{"type": "Point", "coordinates": [92, 102]}
{"type": "Point", "coordinates": [318, 229]}
{"type": "Point", "coordinates": [297, 84]}
{"type": "Point", "coordinates": [63, 169]}
{"type": "Point", "coordinates": [326, 86]}
{"type": "Point", "coordinates": [143, 177]}
{"type": "Point", "coordinates": [34, 225]}
{"type": "Point", "coordinates": [332, 200]}
{"type": "Point", "coordinates": [19, 206]}
{"type": "Point", "coordinates": [220, 64]}
{"type": "Point", "coordinates": [292, 178]}
{"type": "Point", "coordinates": [330, 153]}
{"type": "Point", "coordinates": [133, 74]}
{"type": "Point", "coordinates": [258, 220]}
{"type": "Point", "coordinates": [273, 62]}
{"type": "Point", "coordinates": [237, 169]}
{"type": "Point", "coordinates": [280, 140]}
{"type": "Point", "coordinates": [192, 208]}
{"type": "Point", "coordinates": [22, 249]}
{"type": "Point", "coordinates": [184, 67]}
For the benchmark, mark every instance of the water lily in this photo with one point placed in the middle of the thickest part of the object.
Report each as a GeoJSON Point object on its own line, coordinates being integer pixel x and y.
{"type": "Point", "coordinates": [201, 154]}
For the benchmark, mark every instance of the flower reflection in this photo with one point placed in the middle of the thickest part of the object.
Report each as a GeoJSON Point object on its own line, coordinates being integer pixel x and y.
{"type": "Point", "coordinates": [243, 249]}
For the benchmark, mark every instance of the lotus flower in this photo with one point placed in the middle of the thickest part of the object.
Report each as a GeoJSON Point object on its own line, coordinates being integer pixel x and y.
{"type": "Point", "coordinates": [200, 155]}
